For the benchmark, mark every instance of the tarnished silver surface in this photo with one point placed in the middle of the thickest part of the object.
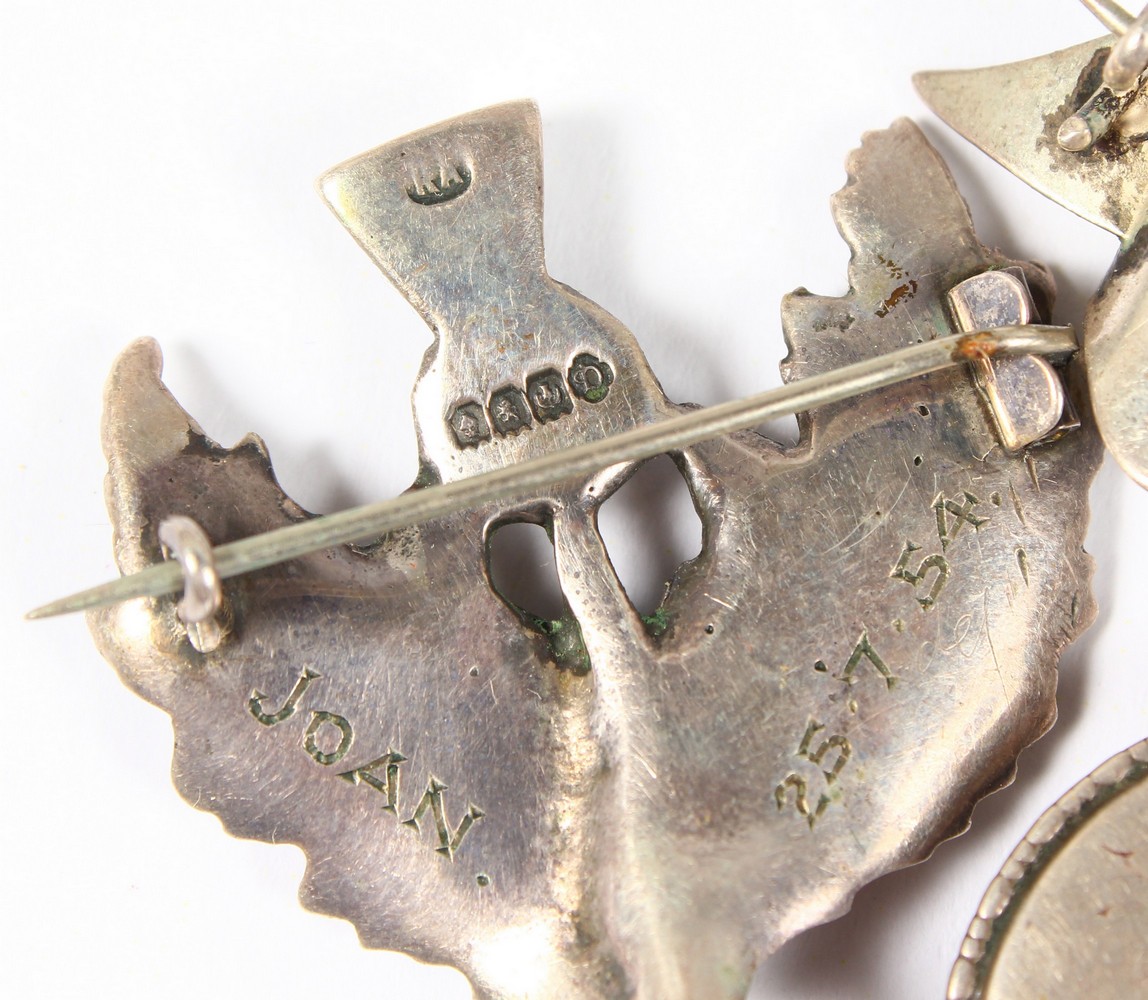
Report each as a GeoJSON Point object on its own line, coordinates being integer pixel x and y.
{"type": "Point", "coordinates": [521, 364]}
{"type": "Point", "coordinates": [608, 804]}
{"type": "Point", "coordinates": [1015, 113]}
{"type": "Point", "coordinates": [1067, 914]}
{"type": "Point", "coordinates": [1126, 60]}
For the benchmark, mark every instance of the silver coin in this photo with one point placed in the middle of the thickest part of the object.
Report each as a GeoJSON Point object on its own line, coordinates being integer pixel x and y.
{"type": "Point", "coordinates": [1067, 913]}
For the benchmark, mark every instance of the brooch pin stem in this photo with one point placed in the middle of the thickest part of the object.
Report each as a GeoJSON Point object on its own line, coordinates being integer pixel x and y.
{"type": "Point", "coordinates": [1109, 13]}
{"type": "Point", "coordinates": [1129, 56]}
{"type": "Point", "coordinates": [1123, 68]}
{"type": "Point", "coordinates": [293, 541]}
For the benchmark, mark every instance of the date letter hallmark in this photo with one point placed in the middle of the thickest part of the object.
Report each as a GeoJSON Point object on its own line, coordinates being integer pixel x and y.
{"type": "Point", "coordinates": [327, 740]}
{"type": "Point", "coordinates": [468, 423]}
{"type": "Point", "coordinates": [836, 744]}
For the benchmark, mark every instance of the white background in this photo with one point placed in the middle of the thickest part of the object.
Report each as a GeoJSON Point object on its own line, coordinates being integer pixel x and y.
{"type": "Point", "coordinates": [156, 164]}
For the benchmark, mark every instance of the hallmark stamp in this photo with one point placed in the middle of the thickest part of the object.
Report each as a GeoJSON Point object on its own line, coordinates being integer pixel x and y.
{"type": "Point", "coordinates": [590, 378]}
{"type": "Point", "coordinates": [469, 425]}
{"type": "Point", "coordinates": [547, 394]}
{"type": "Point", "coordinates": [446, 185]}
{"type": "Point", "coordinates": [509, 412]}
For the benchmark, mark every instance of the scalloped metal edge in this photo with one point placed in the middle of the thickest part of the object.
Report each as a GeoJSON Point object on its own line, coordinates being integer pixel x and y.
{"type": "Point", "coordinates": [1006, 892]}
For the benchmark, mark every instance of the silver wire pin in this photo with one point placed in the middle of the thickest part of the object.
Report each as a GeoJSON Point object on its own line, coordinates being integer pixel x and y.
{"type": "Point", "coordinates": [1123, 68]}
{"type": "Point", "coordinates": [417, 506]}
